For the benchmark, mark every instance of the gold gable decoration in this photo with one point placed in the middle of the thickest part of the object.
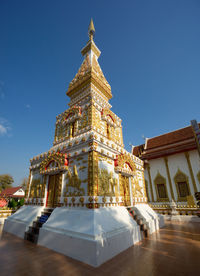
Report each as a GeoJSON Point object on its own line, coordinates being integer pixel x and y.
{"type": "Point", "coordinates": [97, 70]}
{"type": "Point", "coordinates": [82, 73]}
{"type": "Point", "coordinates": [59, 158]}
{"type": "Point", "coordinates": [124, 164]}
{"type": "Point", "coordinates": [74, 111]}
{"type": "Point", "coordinates": [107, 112]}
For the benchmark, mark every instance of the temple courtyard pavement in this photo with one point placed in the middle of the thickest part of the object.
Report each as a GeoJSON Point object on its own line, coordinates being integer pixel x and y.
{"type": "Point", "coordinates": [174, 250]}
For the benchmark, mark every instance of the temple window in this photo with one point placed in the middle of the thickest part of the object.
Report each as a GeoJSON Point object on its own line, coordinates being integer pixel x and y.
{"type": "Point", "coordinates": [182, 185]}
{"type": "Point", "coordinates": [161, 188]}
{"type": "Point", "coordinates": [183, 189]}
{"type": "Point", "coordinates": [161, 191]}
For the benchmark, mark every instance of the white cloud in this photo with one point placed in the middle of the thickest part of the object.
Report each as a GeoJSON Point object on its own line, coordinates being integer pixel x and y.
{"type": "Point", "coordinates": [4, 127]}
{"type": "Point", "coordinates": [3, 130]}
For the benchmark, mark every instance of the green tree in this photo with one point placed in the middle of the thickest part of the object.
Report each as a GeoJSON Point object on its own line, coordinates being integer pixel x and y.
{"type": "Point", "coordinates": [6, 181]}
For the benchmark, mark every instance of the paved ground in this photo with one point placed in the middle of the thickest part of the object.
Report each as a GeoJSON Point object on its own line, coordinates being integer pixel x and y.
{"type": "Point", "coordinates": [175, 250]}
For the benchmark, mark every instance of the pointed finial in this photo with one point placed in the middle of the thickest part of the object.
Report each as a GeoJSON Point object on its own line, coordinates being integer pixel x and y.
{"type": "Point", "coordinates": [91, 30]}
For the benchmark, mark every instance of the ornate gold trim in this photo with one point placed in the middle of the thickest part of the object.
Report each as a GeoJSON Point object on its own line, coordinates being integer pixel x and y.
{"type": "Point", "coordinates": [75, 182]}
{"type": "Point", "coordinates": [187, 156]}
{"type": "Point", "coordinates": [92, 173]}
{"type": "Point", "coordinates": [122, 160]}
{"type": "Point", "coordinates": [151, 186]}
{"type": "Point", "coordinates": [59, 158]}
{"type": "Point", "coordinates": [198, 176]}
{"type": "Point", "coordinates": [159, 179]}
{"type": "Point", "coordinates": [181, 177]}
{"type": "Point", "coordinates": [169, 177]}
{"type": "Point", "coordinates": [91, 46]}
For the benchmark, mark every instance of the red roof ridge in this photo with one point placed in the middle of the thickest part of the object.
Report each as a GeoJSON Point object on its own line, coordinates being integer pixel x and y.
{"type": "Point", "coordinates": [11, 190]}
{"type": "Point", "coordinates": [170, 132]}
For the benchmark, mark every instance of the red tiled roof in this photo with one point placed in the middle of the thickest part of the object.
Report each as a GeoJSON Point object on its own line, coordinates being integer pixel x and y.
{"type": "Point", "coordinates": [10, 191]}
{"type": "Point", "coordinates": [137, 150]}
{"type": "Point", "coordinates": [170, 138]}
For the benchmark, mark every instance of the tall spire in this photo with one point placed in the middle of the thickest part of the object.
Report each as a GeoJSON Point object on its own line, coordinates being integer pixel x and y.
{"type": "Point", "coordinates": [90, 71]}
{"type": "Point", "coordinates": [91, 29]}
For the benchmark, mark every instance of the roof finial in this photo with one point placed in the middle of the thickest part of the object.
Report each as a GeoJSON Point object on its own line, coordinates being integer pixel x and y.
{"type": "Point", "coordinates": [91, 30]}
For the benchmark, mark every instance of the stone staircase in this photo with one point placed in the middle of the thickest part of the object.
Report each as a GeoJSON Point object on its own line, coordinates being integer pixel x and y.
{"type": "Point", "coordinates": [143, 226]}
{"type": "Point", "coordinates": [33, 232]}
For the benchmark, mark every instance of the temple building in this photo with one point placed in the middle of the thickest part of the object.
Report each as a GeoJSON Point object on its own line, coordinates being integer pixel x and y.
{"type": "Point", "coordinates": [87, 179]}
{"type": "Point", "coordinates": [172, 169]}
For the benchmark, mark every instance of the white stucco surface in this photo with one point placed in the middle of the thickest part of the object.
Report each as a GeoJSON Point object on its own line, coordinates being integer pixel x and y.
{"type": "Point", "coordinates": [153, 220]}
{"type": "Point", "coordinates": [19, 222]}
{"type": "Point", "coordinates": [92, 236]}
{"type": "Point", "coordinates": [20, 192]}
{"type": "Point", "coordinates": [176, 162]}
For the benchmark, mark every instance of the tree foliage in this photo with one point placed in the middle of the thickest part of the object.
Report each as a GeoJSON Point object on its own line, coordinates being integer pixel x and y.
{"type": "Point", "coordinates": [6, 181]}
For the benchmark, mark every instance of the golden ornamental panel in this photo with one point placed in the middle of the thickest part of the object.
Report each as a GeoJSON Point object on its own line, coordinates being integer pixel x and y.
{"type": "Point", "coordinates": [59, 158]}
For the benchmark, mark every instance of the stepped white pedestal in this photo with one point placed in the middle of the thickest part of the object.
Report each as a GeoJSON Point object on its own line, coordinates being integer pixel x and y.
{"type": "Point", "coordinates": [92, 236]}
{"type": "Point", "coordinates": [18, 223]}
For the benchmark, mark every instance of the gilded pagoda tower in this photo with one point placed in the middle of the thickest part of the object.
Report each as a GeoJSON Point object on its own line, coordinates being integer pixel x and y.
{"type": "Point", "coordinates": [87, 165]}
{"type": "Point", "coordinates": [82, 191]}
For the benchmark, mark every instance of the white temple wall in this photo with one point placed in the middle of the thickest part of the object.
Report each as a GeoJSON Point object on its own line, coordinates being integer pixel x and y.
{"type": "Point", "coordinates": [158, 166]}
{"type": "Point", "coordinates": [175, 162]}
{"type": "Point", "coordinates": [195, 162]}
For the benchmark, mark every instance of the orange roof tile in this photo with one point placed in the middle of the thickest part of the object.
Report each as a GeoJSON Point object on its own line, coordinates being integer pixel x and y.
{"type": "Point", "coordinates": [170, 138]}
{"type": "Point", "coordinates": [10, 191]}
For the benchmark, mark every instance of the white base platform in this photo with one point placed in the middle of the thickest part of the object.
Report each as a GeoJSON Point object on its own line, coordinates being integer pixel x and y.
{"type": "Point", "coordinates": [153, 220]}
{"type": "Point", "coordinates": [19, 222]}
{"type": "Point", "coordinates": [182, 218]}
{"type": "Point", "coordinates": [92, 236]}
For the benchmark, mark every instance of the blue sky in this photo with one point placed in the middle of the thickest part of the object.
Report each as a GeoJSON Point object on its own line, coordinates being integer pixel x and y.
{"type": "Point", "coordinates": [150, 56]}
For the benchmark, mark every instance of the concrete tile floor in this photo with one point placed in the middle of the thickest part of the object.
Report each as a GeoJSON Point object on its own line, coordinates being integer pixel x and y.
{"type": "Point", "coordinates": [174, 251]}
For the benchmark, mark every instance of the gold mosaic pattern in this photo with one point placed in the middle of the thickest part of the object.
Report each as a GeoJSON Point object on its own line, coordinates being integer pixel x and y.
{"type": "Point", "coordinates": [87, 74]}
{"type": "Point", "coordinates": [83, 70]}
{"type": "Point", "coordinates": [92, 173]}
{"type": "Point", "coordinates": [59, 158]}
{"type": "Point", "coordinates": [125, 159]}
{"type": "Point", "coordinates": [107, 183]}
{"type": "Point", "coordinates": [137, 190]}
{"type": "Point", "coordinates": [73, 185]}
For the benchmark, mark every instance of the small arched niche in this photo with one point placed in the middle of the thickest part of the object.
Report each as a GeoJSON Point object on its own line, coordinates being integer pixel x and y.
{"type": "Point", "coordinates": [182, 185]}
{"type": "Point", "coordinates": [161, 188]}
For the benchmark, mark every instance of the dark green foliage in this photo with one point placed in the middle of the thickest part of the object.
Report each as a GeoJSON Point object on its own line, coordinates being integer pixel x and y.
{"type": "Point", "coordinates": [12, 203]}
{"type": "Point", "coordinates": [6, 181]}
{"type": "Point", "coordinates": [20, 202]}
